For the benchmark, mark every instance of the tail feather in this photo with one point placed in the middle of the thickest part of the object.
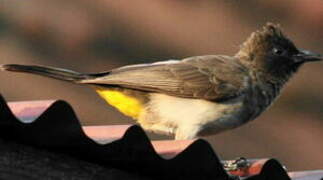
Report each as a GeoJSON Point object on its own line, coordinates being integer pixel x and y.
{"type": "Point", "coordinates": [57, 73]}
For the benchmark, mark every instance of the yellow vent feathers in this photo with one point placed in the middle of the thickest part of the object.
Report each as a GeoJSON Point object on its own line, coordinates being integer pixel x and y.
{"type": "Point", "coordinates": [129, 106]}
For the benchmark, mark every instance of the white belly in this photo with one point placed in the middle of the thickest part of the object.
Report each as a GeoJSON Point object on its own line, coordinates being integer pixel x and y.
{"type": "Point", "coordinates": [192, 115]}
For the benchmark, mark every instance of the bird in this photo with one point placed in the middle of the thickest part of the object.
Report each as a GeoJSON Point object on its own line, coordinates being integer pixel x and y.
{"type": "Point", "coordinates": [196, 96]}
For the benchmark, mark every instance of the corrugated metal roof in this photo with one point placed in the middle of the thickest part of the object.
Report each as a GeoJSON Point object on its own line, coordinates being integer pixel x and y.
{"type": "Point", "coordinates": [53, 126]}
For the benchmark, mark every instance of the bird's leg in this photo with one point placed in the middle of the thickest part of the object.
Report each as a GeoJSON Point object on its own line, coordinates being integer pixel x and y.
{"type": "Point", "coordinates": [186, 132]}
{"type": "Point", "coordinates": [160, 129]}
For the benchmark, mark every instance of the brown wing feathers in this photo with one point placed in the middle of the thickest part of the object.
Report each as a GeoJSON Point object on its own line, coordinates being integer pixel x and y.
{"type": "Point", "coordinates": [200, 77]}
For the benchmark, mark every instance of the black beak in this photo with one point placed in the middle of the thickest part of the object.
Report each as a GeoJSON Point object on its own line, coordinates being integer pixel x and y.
{"type": "Point", "coordinates": [306, 56]}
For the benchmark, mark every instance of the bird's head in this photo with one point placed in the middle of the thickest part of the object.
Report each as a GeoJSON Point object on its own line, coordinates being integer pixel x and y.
{"type": "Point", "coordinates": [270, 52]}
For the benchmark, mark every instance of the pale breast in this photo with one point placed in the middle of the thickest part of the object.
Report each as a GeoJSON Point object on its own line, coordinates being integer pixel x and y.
{"type": "Point", "coordinates": [202, 114]}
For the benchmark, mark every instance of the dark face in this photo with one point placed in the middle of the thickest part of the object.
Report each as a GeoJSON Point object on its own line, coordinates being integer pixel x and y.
{"type": "Point", "coordinates": [280, 54]}
{"type": "Point", "coordinates": [270, 52]}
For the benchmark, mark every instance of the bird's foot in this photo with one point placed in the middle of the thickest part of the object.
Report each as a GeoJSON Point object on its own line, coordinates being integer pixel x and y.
{"type": "Point", "coordinates": [236, 165]}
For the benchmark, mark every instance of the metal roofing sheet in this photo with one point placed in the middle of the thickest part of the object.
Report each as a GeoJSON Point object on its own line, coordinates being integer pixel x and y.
{"type": "Point", "coordinates": [54, 127]}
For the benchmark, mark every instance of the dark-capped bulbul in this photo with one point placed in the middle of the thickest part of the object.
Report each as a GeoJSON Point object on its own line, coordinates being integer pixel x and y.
{"type": "Point", "coordinates": [199, 95]}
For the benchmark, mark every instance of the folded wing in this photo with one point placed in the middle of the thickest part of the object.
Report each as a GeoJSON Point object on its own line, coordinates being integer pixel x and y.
{"type": "Point", "coordinates": [210, 77]}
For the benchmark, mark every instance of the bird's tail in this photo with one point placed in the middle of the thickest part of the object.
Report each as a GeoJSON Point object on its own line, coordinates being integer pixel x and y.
{"type": "Point", "coordinates": [57, 73]}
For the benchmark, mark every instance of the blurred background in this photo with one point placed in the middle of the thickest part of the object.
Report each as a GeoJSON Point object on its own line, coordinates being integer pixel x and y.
{"type": "Point", "coordinates": [97, 35]}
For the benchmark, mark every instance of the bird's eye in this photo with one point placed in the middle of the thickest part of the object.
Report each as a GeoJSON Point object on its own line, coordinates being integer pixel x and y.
{"type": "Point", "coordinates": [278, 51]}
